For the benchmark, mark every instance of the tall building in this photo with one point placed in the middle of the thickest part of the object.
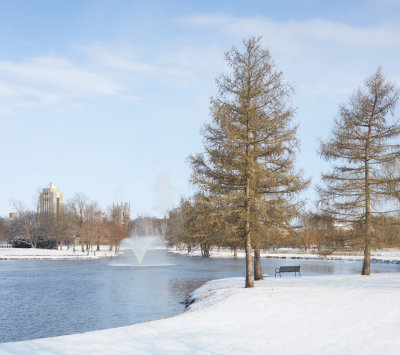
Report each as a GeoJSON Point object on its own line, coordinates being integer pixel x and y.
{"type": "Point", "coordinates": [122, 213]}
{"type": "Point", "coordinates": [51, 200]}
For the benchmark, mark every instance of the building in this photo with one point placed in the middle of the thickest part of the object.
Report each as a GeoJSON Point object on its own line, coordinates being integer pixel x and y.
{"type": "Point", "coordinates": [122, 213]}
{"type": "Point", "coordinates": [12, 215]}
{"type": "Point", "coordinates": [51, 200]}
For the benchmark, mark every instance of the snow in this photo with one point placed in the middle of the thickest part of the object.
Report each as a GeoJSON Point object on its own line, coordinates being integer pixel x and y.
{"type": "Point", "coordinates": [349, 314]}
{"type": "Point", "coordinates": [52, 254]}
{"type": "Point", "coordinates": [379, 256]}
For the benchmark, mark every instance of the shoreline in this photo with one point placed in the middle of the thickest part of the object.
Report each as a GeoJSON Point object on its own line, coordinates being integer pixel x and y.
{"type": "Point", "coordinates": [391, 257]}
{"type": "Point", "coordinates": [340, 313]}
{"type": "Point", "coordinates": [52, 254]}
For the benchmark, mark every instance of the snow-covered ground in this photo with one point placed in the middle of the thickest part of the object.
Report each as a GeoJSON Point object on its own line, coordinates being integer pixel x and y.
{"type": "Point", "coordinates": [52, 254]}
{"type": "Point", "coordinates": [380, 256]}
{"type": "Point", "coordinates": [303, 315]}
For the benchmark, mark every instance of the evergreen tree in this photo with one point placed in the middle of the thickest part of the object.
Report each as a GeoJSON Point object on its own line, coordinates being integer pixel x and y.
{"type": "Point", "coordinates": [247, 171]}
{"type": "Point", "coordinates": [362, 144]}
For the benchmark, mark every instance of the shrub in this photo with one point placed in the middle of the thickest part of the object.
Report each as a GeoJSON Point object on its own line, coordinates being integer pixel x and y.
{"type": "Point", "coordinates": [46, 243]}
{"type": "Point", "coordinates": [20, 242]}
{"type": "Point", "coordinates": [24, 242]}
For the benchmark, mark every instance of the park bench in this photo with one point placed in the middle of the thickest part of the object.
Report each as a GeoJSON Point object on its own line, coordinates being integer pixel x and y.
{"type": "Point", "coordinates": [295, 269]}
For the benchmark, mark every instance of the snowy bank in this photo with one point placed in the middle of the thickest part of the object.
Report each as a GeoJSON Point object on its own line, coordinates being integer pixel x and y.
{"type": "Point", "coordinates": [304, 315]}
{"type": "Point", "coordinates": [378, 256]}
{"type": "Point", "coordinates": [52, 254]}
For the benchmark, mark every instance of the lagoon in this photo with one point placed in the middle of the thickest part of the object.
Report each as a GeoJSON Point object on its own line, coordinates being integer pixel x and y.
{"type": "Point", "coordinates": [44, 298]}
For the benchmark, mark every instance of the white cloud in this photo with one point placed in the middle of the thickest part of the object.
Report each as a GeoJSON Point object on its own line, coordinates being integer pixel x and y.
{"type": "Point", "coordinates": [52, 81]}
{"type": "Point", "coordinates": [321, 57]}
{"type": "Point", "coordinates": [309, 30]}
{"type": "Point", "coordinates": [104, 71]}
{"type": "Point", "coordinates": [122, 58]}
{"type": "Point", "coordinates": [317, 55]}
{"type": "Point", "coordinates": [59, 73]}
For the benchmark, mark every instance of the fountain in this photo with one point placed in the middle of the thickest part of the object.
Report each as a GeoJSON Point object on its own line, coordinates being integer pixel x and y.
{"type": "Point", "coordinates": [143, 238]}
{"type": "Point", "coordinates": [136, 248]}
{"type": "Point", "coordinates": [139, 246]}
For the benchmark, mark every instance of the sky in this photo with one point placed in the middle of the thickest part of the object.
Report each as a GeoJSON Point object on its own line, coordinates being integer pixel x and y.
{"type": "Point", "coordinates": [108, 98]}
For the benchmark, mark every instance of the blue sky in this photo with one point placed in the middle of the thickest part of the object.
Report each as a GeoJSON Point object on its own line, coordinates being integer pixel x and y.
{"type": "Point", "coordinates": [108, 97]}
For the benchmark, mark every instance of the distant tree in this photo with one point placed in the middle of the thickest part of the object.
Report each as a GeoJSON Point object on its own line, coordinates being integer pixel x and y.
{"type": "Point", "coordinates": [175, 232]}
{"type": "Point", "coordinates": [3, 231]}
{"type": "Point", "coordinates": [117, 229]}
{"type": "Point", "coordinates": [64, 225]}
{"type": "Point", "coordinates": [362, 143]}
{"type": "Point", "coordinates": [163, 224]}
{"type": "Point", "coordinates": [28, 222]}
{"type": "Point", "coordinates": [78, 205]}
{"type": "Point", "coordinates": [92, 224]}
{"type": "Point", "coordinates": [204, 224]}
{"type": "Point", "coordinates": [247, 170]}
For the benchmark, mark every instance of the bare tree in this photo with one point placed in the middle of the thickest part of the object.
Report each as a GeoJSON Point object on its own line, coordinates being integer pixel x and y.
{"type": "Point", "coordinates": [117, 228]}
{"type": "Point", "coordinates": [93, 224]}
{"type": "Point", "coordinates": [78, 204]}
{"type": "Point", "coordinates": [64, 225]}
{"type": "Point", "coordinates": [361, 144]}
{"type": "Point", "coordinates": [29, 221]}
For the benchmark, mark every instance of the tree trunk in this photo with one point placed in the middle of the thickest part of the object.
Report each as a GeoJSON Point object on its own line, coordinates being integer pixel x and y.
{"type": "Point", "coordinates": [367, 256]}
{"type": "Point", "coordinates": [257, 264]}
{"type": "Point", "coordinates": [367, 251]}
{"type": "Point", "coordinates": [235, 252]}
{"type": "Point", "coordinates": [249, 264]}
{"type": "Point", "coordinates": [98, 245]}
{"type": "Point", "coordinates": [247, 231]}
{"type": "Point", "coordinates": [205, 250]}
{"type": "Point", "coordinates": [189, 248]}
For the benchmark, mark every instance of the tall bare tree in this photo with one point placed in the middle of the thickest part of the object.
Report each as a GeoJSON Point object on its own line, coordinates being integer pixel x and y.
{"type": "Point", "coordinates": [61, 226]}
{"type": "Point", "coordinates": [247, 169]}
{"type": "Point", "coordinates": [78, 205]}
{"type": "Point", "coordinates": [362, 143]}
{"type": "Point", "coordinates": [92, 224]}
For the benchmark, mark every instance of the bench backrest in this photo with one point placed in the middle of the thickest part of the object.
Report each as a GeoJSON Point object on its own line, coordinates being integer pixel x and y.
{"type": "Point", "coordinates": [289, 269]}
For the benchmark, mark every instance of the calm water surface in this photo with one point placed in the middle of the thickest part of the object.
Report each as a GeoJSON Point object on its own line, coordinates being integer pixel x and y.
{"type": "Point", "coordinates": [49, 298]}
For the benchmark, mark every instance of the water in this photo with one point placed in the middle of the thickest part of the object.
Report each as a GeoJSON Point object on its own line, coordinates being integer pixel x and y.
{"type": "Point", "coordinates": [49, 298]}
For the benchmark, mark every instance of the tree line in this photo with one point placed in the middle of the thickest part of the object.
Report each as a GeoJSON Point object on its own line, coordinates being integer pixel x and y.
{"type": "Point", "coordinates": [79, 224]}
{"type": "Point", "coordinates": [247, 184]}
{"type": "Point", "coordinates": [79, 220]}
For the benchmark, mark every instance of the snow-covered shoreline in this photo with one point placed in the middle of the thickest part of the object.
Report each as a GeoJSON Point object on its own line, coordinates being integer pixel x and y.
{"type": "Point", "coordinates": [52, 254]}
{"type": "Point", "coordinates": [379, 256]}
{"type": "Point", "coordinates": [348, 314]}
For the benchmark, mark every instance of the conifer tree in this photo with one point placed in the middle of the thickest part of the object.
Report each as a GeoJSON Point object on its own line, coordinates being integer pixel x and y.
{"type": "Point", "coordinates": [361, 145]}
{"type": "Point", "coordinates": [247, 170]}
